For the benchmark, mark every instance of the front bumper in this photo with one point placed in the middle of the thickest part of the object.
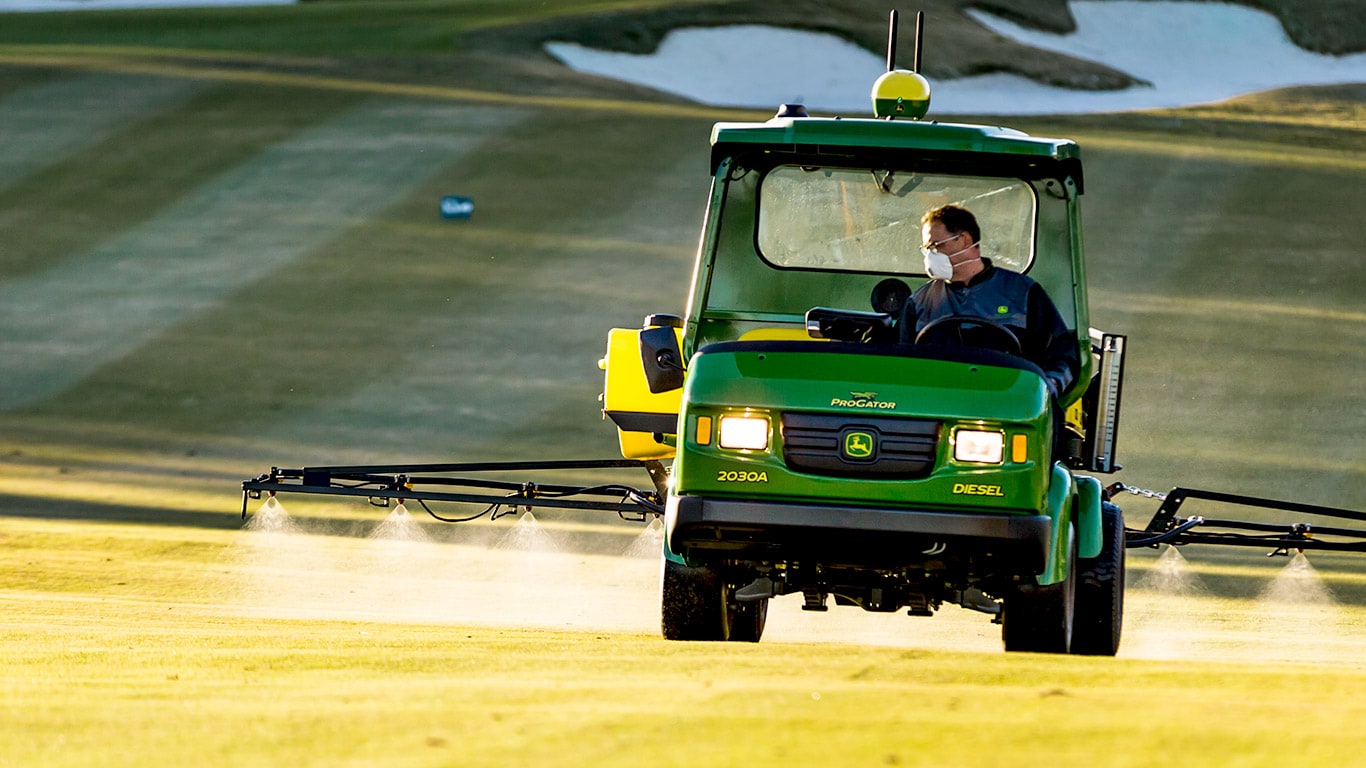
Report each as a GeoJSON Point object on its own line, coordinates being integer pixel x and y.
{"type": "Point", "coordinates": [708, 528]}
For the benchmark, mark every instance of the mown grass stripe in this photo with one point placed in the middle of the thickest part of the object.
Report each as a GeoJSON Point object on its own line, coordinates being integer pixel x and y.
{"type": "Point", "coordinates": [78, 200]}
{"type": "Point", "coordinates": [495, 344]}
{"type": "Point", "coordinates": [1193, 306]}
{"type": "Point", "coordinates": [1197, 149]}
{"type": "Point", "coordinates": [42, 124]}
{"type": "Point", "coordinates": [262, 77]}
{"type": "Point", "coordinates": [67, 321]}
{"type": "Point", "coordinates": [38, 50]}
{"type": "Point", "coordinates": [545, 240]}
{"type": "Point", "coordinates": [141, 63]}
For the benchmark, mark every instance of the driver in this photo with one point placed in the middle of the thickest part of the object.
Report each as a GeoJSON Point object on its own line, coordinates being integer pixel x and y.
{"type": "Point", "coordinates": [963, 282]}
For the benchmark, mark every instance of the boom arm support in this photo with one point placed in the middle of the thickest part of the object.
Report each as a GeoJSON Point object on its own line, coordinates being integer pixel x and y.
{"type": "Point", "coordinates": [1167, 528]}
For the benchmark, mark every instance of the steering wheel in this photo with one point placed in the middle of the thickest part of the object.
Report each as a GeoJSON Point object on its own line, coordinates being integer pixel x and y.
{"type": "Point", "coordinates": [1011, 341]}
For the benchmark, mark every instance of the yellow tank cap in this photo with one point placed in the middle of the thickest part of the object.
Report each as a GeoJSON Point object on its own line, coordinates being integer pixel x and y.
{"type": "Point", "coordinates": [901, 93]}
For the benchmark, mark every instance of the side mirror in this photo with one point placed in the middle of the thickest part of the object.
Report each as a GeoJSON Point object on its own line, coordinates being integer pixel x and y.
{"type": "Point", "coordinates": [661, 359]}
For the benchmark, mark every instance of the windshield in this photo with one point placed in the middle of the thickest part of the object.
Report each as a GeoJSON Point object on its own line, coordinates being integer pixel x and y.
{"type": "Point", "coordinates": [869, 221]}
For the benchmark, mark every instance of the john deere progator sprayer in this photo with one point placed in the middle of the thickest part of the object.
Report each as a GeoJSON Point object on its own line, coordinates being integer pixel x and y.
{"type": "Point", "coordinates": [799, 442]}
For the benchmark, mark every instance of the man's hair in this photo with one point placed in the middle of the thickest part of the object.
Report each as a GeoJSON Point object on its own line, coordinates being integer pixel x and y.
{"type": "Point", "coordinates": [955, 219]}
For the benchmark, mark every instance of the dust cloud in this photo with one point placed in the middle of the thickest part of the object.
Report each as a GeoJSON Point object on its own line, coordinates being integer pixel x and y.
{"type": "Point", "coordinates": [1294, 619]}
{"type": "Point", "coordinates": [400, 572]}
{"type": "Point", "coordinates": [529, 575]}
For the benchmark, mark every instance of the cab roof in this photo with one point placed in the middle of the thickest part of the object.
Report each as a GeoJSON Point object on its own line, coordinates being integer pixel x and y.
{"type": "Point", "coordinates": [869, 140]}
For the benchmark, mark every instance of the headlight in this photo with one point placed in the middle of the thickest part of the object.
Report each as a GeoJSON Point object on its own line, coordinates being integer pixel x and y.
{"type": "Point", "coordinates": [980, 447]}
{"type": "Point", "coordinates": [749, 432]}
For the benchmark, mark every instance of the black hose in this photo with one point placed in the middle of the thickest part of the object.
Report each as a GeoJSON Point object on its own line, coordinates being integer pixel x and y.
{"type": "Point", "coordinates": [1163, 536]}
{"type": "Point", "coordinates": [628, 494]}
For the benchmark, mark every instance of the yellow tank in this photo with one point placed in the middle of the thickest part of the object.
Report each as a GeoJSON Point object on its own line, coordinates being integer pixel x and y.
{"type": "Point", "coordinates": [646, 421]}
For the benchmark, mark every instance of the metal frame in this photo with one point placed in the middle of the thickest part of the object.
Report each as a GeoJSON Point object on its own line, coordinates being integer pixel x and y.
{"type": "Point", "coordinates": [413, 482]}
{"type": "Point", "coordinates": [1167, 528]}
{"type": "Point", "coordinates": [406, 482]}
{"type": "Point", "coordinates": [1102, 458]}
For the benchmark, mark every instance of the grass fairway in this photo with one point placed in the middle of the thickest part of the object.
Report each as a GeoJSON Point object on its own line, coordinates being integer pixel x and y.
{"type": "Point", "coordinates": [130, 644]}
{"type": "Point", "coordinates": [220, 251]}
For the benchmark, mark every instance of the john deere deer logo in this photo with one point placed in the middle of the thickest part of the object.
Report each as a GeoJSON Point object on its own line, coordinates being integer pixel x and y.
{"type": "Point", "coordinates": [858, 445]}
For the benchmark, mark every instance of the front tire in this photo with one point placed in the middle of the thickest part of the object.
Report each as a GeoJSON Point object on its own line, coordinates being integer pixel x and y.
{"type": "Point", "coordinates": [1100, 591]}
{"type": "Point", "coordinates": [697, 603]}
{"type": "Point", "coordinates": [1038, 619]}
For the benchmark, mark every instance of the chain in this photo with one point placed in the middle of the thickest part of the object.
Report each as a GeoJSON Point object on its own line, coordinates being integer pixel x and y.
{"type": "Point", "coordinates": [1144, 492]}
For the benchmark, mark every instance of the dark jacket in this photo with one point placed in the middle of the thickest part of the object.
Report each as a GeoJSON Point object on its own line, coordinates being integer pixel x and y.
{"type": "Point", "coordinates": [1011, 299]}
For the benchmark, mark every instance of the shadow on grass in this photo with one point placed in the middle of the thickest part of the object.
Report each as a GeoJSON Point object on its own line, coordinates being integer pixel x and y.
{"type": "Point", "coordinates": [560, 538]}
{"type": "Point", "coordinates": [30, 507]}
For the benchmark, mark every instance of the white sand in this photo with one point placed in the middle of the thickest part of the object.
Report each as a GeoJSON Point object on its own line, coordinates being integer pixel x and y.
{"type": "Point", "coordinates": [1190, 52]}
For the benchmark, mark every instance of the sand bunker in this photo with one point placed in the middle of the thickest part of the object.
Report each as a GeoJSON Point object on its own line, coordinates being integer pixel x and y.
{"type": "Point", "coordinates": [1190, 52]}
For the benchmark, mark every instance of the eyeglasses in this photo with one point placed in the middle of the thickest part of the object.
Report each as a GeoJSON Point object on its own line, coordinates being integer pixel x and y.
{"type": "Point", "coordinates": [937, 243]}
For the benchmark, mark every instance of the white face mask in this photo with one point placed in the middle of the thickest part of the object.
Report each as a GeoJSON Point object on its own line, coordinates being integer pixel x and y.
{"type": "Point", "coordinates": [937, 265]}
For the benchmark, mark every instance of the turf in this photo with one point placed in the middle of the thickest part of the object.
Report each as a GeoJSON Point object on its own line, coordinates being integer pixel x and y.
{"type": "Point", "coordinates": [221, 252]}
{"type": "Point", "coordinates": [402, 27]}
{"type": "Point", "coordinates": [132, 643]}
{"type": "Point", "coordinates": [349, 321]}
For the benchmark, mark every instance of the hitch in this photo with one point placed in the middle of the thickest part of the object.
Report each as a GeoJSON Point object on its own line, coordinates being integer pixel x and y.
{"type": "Point", "coordinates": [1166, 527]}
{"type": "Point", "coordinates": [381, 483]}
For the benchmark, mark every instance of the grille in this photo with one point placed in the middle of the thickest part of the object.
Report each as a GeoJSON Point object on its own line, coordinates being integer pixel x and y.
{"type": "Point", "coordinates": [850, 445]}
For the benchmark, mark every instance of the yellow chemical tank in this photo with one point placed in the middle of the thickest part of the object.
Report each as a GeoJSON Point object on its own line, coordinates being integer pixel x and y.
{"type": "Point", "coordinates": [646, 421]}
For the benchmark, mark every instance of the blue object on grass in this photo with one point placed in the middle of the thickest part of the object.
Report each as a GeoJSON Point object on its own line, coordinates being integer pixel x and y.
{"type": "Point", "coordinates": [455, 207]}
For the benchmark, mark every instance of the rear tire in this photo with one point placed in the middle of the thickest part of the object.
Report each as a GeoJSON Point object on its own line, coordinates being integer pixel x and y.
{"type": "Point", "coordinates": [1100, 591]}
{"type": "Point", "coordinates": [747, 620]}
{"type": "Point", "coordinates": [697, 603]}
{"type": "Point", "coordinates": [1038, 619]}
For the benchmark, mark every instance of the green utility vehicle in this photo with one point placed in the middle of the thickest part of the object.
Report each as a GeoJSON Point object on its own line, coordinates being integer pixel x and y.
{"type": "Point", "coordinates": [815, 454]}
{"type": "Point", "coordinates": [820, 450]}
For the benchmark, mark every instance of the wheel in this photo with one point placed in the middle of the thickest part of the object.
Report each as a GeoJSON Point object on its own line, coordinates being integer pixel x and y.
{"type": "Point", "coordinates": [1039, 619]}
{"type": "Point", "coordinates": [690, 603]}
{"type": "Point", "coordinates": [1100, 591]}
{"type": "Point", "coordinates": [747, 619]}
{"type": "Point", "coordinates": [1010, 343]}
{"type": "Point", "coordinates": [696, 603]}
